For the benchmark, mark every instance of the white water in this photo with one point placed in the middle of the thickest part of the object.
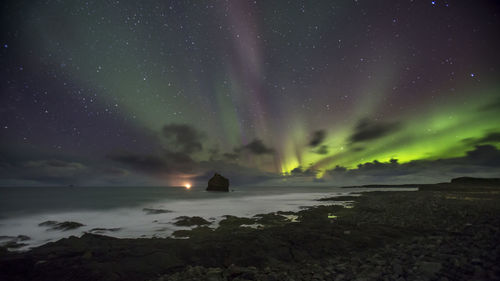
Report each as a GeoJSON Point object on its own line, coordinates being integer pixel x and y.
{"type": "Point", "coordinates": [133, 222]}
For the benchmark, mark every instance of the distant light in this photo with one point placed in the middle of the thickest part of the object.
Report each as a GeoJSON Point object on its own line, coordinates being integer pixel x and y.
{"type": "Point", "coordinates": [433, 2]}
{"type": "Point", "coordinates": [472, 75]}
{"type": "Point", "coordinates": [187, 186]}
{"type": "Point", "coordinates": [5, 46]}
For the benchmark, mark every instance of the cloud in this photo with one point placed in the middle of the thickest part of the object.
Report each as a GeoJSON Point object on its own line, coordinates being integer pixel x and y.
{"type": "Point", "coordinates": [322, 150]}
{"type": "Point", "coordinates": [44, 171]}
{"type": "Point", "coordinates": [256, 147]}
{"type": "Point", "coordinates": [484, 155]}
{"type": "Point", "coordinates": [367, 130]}
{"type": "Point", "coordinates": [237, 174]}
{"type": "Point", "coordinates": [317, 138]}
{"type": "Point", "coordinates": [231, 156]}
{"type": "Point", "coordinates": [147, 163]}
{"type": "Point", "coordinates": [164, 163]}
{"type": "Point", "coordinates": [54, 169]}
{"type": "Point", "coordinates": [183, 138]}
{"type": "Point", "coordinates": [300, 172]}
{"type": "Point", "coordinates": [482, 161]}
{"type": "Point", "coordinates": [493, 137]}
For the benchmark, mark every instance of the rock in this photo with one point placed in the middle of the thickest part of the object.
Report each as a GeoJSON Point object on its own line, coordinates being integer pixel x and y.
{"type": "Point", "coordinates": [214, 274]}
{"type": "Point", "coordinates": [67, 225]}
{"type": "Point", "coordinates": [218, 183]}
{"type": "Point", "coordinates": [23, 238]}
{"type": "Point", "coordinates": [100, 230]}
{"type": "Point", "coordinates": [151, 211]}
{"type": "Point", "coordinates": [87, 255]}
{"type": "Point", "coordinates": [429, 269]}
{"type": "Point", "coordinates": [191, 221]}
{"type": "Point", "coordinates": [397, 269]}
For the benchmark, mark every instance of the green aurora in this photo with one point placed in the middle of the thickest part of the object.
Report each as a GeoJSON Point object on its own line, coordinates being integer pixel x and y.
{"type": "Point", "coordinates": [243, 72]}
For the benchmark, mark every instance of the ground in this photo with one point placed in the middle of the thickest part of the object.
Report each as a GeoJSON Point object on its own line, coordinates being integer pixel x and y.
{"type": "Point", "coordinates": [441, 232]}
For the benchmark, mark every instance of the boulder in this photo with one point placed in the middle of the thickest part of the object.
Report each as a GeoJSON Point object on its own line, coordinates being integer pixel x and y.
{"type": "Point", "coordinates": [218, 183]}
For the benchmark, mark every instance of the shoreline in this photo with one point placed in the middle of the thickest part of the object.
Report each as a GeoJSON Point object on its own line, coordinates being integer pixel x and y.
{"type": "Point", "coordinates": [448, 230]}
{"type": "Point", "coordinates": [156, 219]}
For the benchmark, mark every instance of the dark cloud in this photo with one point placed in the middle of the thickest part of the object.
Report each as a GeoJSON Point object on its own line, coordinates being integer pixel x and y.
{"type": "Point", "coordinates": [147, 163]}
{"type": "Point", "coordinates": [482, 161]}
{"type": "Point", "coordinates": [317, 138]}
{"type": "Point", "coordinates": [322, 150]}
{"type": "Point", "coordinates": [183, 138]}
{"type": "Point", "coordinates": [44, 171]}
{"type": "Point", "coordinates": [339, 169]}
{"type": "Point", "coordinates": [493, 137]}
{"type": "Point", "coordinates": [486, 155]}
{"type": "Point", "coordinates": [165, 163]}
{"type": "Point", "coordinates": [490, 138]}
{"type": "Point", "coordinates": [367, 130]}
{"type": "Point", "coordinates": [256, 147]}
{"type": "Point", "coordinates": [174, 159]}
{"type": "Point", "coordinates": [300, 172]}
{"type": "Point", "coordinates": [237, 174]}
{"type": "Point", "coordinates": [231, 156]}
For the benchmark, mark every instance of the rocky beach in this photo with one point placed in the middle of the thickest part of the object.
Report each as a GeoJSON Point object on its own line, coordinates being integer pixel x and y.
{"type": "Point", "coordinates": [448, 231]}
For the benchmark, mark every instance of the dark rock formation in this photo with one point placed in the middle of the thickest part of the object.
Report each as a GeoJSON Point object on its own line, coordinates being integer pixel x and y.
{"type": "Point", "coordinates": [191, 221]}
{"type": "Point", "coordinates": [218, 183]}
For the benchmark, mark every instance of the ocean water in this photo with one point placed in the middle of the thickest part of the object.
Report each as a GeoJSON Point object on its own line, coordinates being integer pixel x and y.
{"type": "Point", "coordinates": [120, 211]}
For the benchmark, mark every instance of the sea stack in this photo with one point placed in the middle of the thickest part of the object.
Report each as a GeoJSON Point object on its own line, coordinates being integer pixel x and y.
{"type": "Point", "coordinates": [218, 183]}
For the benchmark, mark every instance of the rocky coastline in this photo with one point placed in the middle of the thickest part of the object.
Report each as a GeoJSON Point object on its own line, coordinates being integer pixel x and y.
{"type": "Point", "coordinates": [448, 231]}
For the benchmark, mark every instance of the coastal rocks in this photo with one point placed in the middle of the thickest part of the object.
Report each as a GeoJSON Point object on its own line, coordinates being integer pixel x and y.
{"type": "Point", "coordinates": [13, 242]}
{"type": "Point", "coordinates": [218, 183]}
{"type": "Point", "coordinates": [102, 230]}
{"type": "Point", "coordinates": [386, 236]}
{"type": "Point", "coordinates": [234, 222]}
{"type": "Point", "coordinates": [151, 211]}
{"type": "Point", "coordinates": [191, 221]}
{"type": "Point", "coordinates": [64, 226]}
{"type": "Point", "coordinates": [429, 269]}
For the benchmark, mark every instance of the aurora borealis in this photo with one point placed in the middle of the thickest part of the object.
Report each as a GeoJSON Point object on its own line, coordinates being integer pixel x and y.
{"type": "Point", "coordinates": [277, 92]}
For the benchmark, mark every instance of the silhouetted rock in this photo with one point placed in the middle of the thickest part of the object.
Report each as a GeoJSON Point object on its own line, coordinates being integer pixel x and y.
{"type": "Point", "coordinates": [218, 183]}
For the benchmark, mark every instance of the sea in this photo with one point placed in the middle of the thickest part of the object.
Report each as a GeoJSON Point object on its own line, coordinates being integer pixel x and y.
{"type": "Point", "coordinates": [141, 212]}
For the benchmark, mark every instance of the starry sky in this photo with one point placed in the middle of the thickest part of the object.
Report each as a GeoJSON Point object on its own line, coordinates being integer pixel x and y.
{"type": "Point", "coordinates": [264, 92]}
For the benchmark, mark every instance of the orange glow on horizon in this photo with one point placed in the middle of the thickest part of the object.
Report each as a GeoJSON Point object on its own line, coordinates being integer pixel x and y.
{"type": "Point", "coordinates": [187, 186]}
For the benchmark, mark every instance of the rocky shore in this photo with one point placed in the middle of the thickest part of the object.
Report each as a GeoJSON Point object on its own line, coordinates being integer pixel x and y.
{"type": "Point", "coordinates": [441, 232]}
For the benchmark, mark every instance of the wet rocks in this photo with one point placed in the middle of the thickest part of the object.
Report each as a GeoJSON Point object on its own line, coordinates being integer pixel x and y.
{"type": "Point", "coordinates": [437, 234]}
{"type": "Point", "coordinates": [64, 226]}
{"type": "Point", "coordinates": [13, 242]}
{"type": "Point", "coordinates": [218, 183]}
{"type": "Point", "coordinates": [102, 230]}
{"type": "Point", "coordinates": [151, 211]}
{"type": "Point", "coordinates": [429, 269]}
{"type": "Point", "coordinates": [191, 221]}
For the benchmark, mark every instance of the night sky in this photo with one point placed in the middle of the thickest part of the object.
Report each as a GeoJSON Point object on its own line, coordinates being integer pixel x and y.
{"type": "Point", "coordinates": [264, 92]}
